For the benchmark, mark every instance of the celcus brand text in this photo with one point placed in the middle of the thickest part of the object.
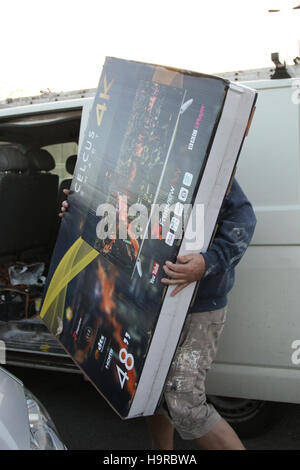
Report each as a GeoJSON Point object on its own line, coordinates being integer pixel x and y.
{"type": "Point", "coordinates": [80, 177]}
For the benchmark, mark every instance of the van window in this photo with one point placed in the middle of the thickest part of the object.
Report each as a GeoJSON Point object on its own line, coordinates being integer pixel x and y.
{"type": "Point", "coordinates": [60, 153]}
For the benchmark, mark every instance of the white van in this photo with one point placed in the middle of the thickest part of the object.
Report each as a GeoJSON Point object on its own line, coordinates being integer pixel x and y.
{"type": "Point", "coordinates": [259, 357]}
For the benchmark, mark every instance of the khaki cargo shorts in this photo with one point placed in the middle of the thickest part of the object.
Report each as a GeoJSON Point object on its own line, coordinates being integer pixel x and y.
{"type": "Point", "coordinates": [184, 401]}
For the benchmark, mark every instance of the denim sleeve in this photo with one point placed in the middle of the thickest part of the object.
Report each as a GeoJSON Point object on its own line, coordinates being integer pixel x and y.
{"type": "Point", "coordinates": [236, 226]}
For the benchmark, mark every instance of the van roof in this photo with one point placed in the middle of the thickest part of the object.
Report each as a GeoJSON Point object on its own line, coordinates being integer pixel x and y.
{"type": "Point", "coordinates": [45, 97]}
{"type": "Point", "coordinates": [71, 99]}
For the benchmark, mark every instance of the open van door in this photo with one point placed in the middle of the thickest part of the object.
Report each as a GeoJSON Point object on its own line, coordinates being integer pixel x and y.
{"type": "Point", "coordinates": [38, 147]}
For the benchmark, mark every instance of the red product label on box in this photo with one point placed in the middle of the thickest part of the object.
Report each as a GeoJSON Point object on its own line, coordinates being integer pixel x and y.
{"type": "Point", "coordinates": [155, 269]}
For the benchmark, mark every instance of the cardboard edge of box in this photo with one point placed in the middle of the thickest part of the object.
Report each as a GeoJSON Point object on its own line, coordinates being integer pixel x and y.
{"type": "Point", "coordinates": [237, 111]}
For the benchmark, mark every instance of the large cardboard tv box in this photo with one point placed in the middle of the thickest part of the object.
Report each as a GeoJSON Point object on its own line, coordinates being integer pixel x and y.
{"type": "Point", "coordinates": [155, 162]}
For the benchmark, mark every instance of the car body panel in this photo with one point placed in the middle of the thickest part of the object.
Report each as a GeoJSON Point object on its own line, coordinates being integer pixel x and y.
{"type": "Point", "coordinates": [14, 424]}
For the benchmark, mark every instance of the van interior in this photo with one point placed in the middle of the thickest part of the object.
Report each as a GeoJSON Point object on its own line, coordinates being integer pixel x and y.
{"type": "Point", "coordinates": [37, 159]}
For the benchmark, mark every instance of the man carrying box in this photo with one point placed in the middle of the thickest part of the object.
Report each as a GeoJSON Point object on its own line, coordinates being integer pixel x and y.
{"type": "Point", "coordinates": [184, 405]}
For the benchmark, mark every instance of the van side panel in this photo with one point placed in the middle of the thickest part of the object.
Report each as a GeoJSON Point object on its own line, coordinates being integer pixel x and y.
{"type": "Point", "coordinates": [258, 356]}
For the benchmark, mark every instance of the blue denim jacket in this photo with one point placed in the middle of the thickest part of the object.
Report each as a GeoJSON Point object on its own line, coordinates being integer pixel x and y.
{"type": "Point", "coordinates": [236, 226]}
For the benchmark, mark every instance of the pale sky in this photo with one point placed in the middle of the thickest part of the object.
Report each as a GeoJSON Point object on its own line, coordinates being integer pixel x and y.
{"type": "Point", "coordinates": [61, 44]}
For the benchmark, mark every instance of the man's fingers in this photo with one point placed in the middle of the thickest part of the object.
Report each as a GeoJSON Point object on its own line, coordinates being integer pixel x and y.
{"type": "Point", "coordinates": [184, 259]}
{"type": "Point", "coordinates": [64, 204]}
{"type": "Point", "coordinates": [177, 268]}
{"type": "Point", "coordinates": [63, 209]}
{"type": "Point", "coordinates": [179, 288]}
{"type": "Point", "coordinates": [172, 282]}
{"type": "Point", "coordinates": [172, 273]}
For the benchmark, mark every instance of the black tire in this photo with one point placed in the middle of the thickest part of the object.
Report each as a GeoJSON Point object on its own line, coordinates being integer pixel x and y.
{"type": "Point", "coordinates": [249, 418]}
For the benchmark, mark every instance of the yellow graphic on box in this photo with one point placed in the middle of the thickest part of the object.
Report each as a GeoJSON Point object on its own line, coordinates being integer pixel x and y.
{"type": "Point", "coordinates": [79, 255]}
